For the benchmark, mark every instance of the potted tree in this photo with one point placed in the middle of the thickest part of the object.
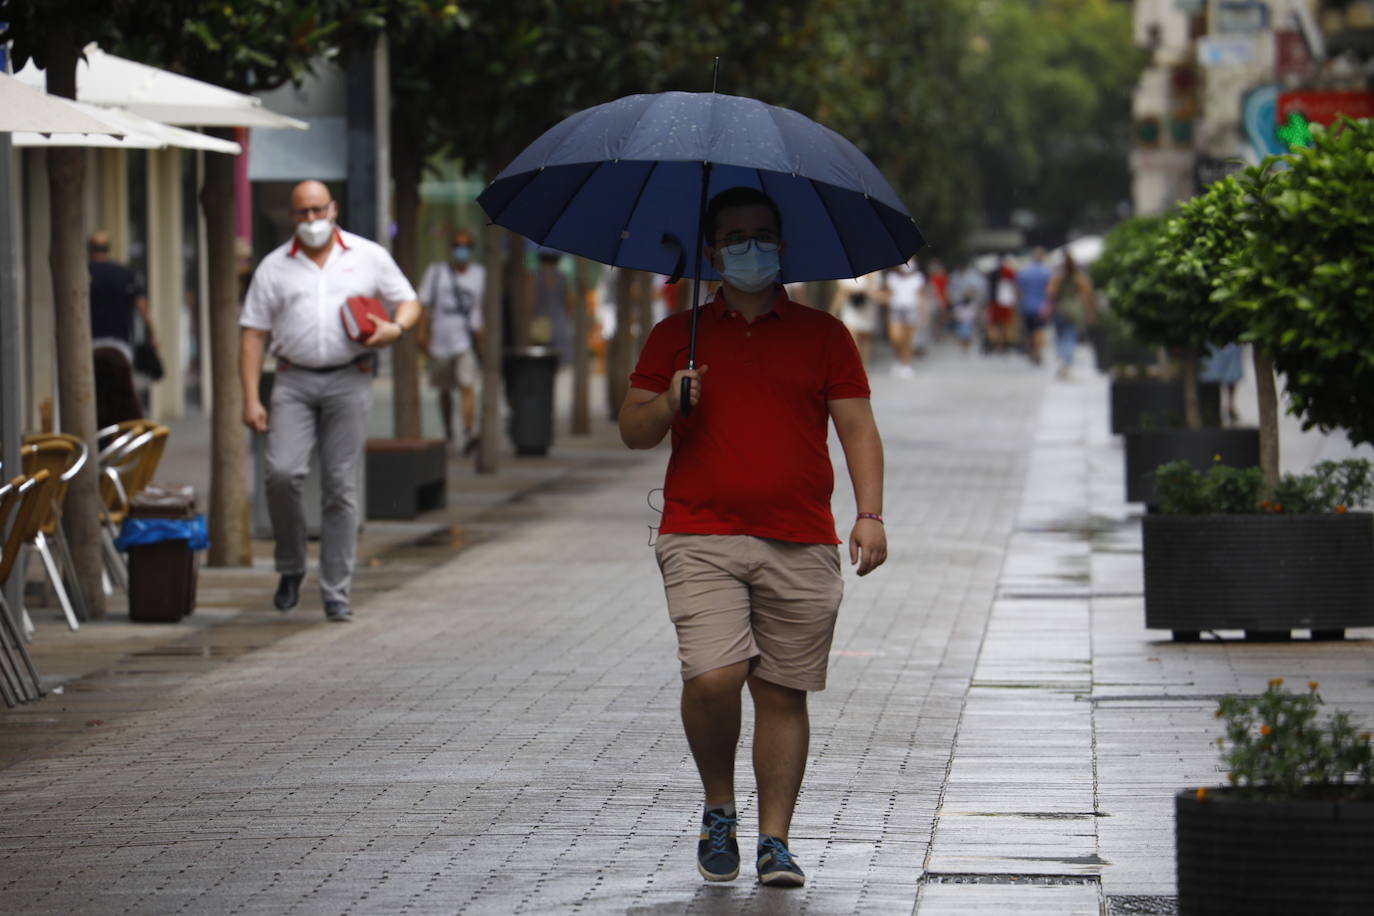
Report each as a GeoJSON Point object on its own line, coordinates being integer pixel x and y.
{"type": "Point", "coordinates": [1300, 284]}
{"type": "Point", "coordinates": [1165, 292]}
{"type": "Point", "coordinates": [1115, 348]}
{"type": "Point", "coordinates": [1294, 830]}
{"type": "Point", "coordinates": [1229, 553]}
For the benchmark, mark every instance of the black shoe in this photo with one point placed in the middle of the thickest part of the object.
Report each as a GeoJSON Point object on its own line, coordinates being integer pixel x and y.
{"type": "Point", "coordinates": [471, 445]}
{"type": "Point", "coordinates": [288, 591]}
{"type": "Point", "coordinates": [337, 611]}
{"type": "Point", "coordinates": [777, 868]}
{"type": "Point", "coordinates": [717, 850]}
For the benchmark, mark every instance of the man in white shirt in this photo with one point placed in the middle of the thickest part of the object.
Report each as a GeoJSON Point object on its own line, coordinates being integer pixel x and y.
{"type": "Point", "coordinates": [451, 293]}
{"type": "Point", "coordinates": [323, 386]}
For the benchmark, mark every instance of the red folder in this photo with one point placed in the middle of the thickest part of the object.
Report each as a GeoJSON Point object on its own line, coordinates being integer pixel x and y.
{"type": "Point", "coordinates": [360, 316]}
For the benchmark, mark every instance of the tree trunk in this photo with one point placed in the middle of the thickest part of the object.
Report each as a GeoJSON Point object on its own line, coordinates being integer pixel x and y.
{"type": "Point", "coordinates": [582, 365]}
{"type": "Point", "coordinates": [406, 167]}
{"type": "Point", "coordinates": [489, 447]}
{"type": "Point", "coordinates": [1268, 398]}
{"type": "Point", "coordinates": [229, 491]}
{"type": "Point", "coordinates": [520, 288]}
{"type": "Point", "coordinates": [618, 355]}
{"type": "Point", "coordinates": [71, 283]}
{"type": "Point", "coordinates": [1192, 411]}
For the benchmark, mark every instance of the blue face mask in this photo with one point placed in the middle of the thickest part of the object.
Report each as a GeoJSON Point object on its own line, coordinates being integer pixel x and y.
{"type": "Point", "coordinates": [462, 254]}
{"type": "Point", "coordinates": [750, 272]}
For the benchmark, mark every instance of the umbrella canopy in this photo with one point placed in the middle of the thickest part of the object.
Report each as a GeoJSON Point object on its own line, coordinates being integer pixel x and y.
{"type": "Point", "coordinates": [611, 182]}
{"type": "Point", "coordinates": [105, 79]}
{"type": "Point", "coordinates": [139, 133]}
{"type": "Point", "coordinates": [23, 108]}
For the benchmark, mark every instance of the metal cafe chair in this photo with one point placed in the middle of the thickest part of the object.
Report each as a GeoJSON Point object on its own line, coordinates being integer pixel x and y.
{"type": "Point", "coordinates": [23, 501]}
{"type": "Point", "coordinates": [63, 456]}
{"type": "Point", "coordinates": [127, 465]}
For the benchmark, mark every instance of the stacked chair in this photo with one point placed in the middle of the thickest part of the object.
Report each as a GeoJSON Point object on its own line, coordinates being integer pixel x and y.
{"type": "Point", "coordinates": [63, 456]}
{"type": "Point", "coordinates": [24, 503]}
{"type": "Point", "coordinates": [129, 456]}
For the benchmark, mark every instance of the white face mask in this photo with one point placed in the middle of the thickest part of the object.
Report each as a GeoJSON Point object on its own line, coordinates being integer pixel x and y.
{"type": "Point", "coordinates": [752, 271]}
{"type": "Point", "coordinates": [315, 233]}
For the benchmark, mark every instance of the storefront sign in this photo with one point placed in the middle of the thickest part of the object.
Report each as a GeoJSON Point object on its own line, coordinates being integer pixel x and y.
{"type": "Point", "coordinates": [1325, 107]}
{"type": "Point", "coordinates": [1225, 51]}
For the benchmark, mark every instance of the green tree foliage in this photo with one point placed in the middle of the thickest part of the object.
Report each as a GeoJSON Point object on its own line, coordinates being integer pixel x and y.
{"type": "Point", "coordinates": [1303, 284]}
{"type": "Point", "coordinates": [1048, 87]}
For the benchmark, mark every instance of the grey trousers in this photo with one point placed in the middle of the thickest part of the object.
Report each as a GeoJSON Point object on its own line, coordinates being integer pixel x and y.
{"type": "Point", "coordinates": [329, 408]}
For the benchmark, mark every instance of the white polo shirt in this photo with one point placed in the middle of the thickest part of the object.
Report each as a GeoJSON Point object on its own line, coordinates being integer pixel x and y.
{"type": "Point", "coordinates": [298, 301]}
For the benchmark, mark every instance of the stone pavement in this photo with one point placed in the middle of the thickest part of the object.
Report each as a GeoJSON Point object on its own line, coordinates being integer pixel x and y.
{"type": "Point", "coordinates": [498, 733]}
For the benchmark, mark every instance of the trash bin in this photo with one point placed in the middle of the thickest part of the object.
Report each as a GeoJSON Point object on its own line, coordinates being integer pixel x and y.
{"type": "Point", "coordinates": [529, 375]}
{"type": "Point", "coordinates": [161, 535]}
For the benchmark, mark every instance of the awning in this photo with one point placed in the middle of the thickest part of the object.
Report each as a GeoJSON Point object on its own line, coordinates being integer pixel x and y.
{"type": "Point", "coordinates": [104, 79]}
{"type": "Point", "coordinates": [23, 108]}
{"type": "Point", "coordinates": [139, 133]}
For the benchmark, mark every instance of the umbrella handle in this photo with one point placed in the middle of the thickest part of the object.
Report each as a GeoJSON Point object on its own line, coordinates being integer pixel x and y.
{"type": "Point", "coordinates": [685, 397]}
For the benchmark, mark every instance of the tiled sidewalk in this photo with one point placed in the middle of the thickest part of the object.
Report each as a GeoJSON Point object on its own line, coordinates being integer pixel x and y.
{"type": "Point", "coordinates": [500, 735]}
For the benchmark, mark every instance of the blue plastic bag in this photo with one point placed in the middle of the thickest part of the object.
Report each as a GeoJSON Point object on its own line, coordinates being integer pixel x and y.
{"type": "Point", "coordinates": [137, 531]}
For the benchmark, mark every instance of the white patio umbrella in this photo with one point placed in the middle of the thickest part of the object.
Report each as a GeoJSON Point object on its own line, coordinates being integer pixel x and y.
{"type": "Point", "coordinates": [104, 79]}
{"type": "Point", "coordinates": [25, 108]}
{"type": "Point", "coordinates": [139, 133]}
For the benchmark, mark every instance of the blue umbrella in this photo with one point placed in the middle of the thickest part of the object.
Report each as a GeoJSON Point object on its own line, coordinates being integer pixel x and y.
{"type": "Point", "coordinates": [626, 184]}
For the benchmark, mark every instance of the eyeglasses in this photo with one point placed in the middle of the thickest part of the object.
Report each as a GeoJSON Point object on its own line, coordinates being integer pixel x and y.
{"type": "Point", "coordinates": [311, 212]}
{"type": "Point", "coordinates": [738, 242]}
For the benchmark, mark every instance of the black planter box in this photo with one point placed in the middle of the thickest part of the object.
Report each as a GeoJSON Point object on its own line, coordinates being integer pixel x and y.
{"type": "Point", "coordinates": [1147, 449]}
{"type": "Point", "coordinates": [1263, 573]}
{"type": "Point", "coordinates": [1151, 403]}
{"type": "Point", "coordinates": [1111, 350]}
{"type": "Point", "coordinates": [1273, 858]}
{"type": "Point", "coordinates": [405, 477]}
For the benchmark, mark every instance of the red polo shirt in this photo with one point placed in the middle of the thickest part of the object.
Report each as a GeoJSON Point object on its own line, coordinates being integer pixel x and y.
{"type": "Point", "coordinates": [752, 458]}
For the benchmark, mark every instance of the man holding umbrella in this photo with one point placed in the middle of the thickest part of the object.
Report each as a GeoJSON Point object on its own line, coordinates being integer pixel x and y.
{"type": "Point", "coordinates": [747, 548]}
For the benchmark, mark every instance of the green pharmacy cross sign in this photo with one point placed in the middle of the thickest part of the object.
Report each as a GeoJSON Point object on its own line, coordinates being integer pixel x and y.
{"type": "Point", "coordinates": [1296, 132]}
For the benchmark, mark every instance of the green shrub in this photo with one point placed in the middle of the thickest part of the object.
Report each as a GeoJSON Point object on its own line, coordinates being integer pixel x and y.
{"type": "Point", "coordinates": [1275, 745]}
{"type": "Point", "coordinates": [1331, 486]}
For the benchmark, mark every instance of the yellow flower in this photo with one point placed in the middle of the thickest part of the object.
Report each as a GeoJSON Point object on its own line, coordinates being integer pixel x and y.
{"type": "Point", "coordinates": [1202, 794]}
{"type": "Point", "coordinates": [1364, 736]}
{"type": "Point", "coordinates": [1266, 730]}
{"type": "Point", "coordinates": [1276, 682]}
{"type": "Point", "coordinates": [1312, 685]}
{"type": "Point", "coordinates": [1216, 457]}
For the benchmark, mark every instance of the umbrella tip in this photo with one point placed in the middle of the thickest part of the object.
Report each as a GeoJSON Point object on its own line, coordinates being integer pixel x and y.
{"type": "Point", "coordinates": [715, 75]}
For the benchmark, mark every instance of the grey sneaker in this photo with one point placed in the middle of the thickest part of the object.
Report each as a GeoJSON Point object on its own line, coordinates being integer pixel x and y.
{"type": "Point", "coordinates": [337, 612]}
{"type": "Point", "coordinates": [718, 850]}
{"type": "Point", "coordinates": [777, 868]}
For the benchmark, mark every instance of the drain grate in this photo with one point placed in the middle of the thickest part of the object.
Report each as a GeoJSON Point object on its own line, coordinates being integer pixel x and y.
{"type": "Point", "coordinates": [1141, 905]}
{"type": "Point", "coordinates": [1004, 878]}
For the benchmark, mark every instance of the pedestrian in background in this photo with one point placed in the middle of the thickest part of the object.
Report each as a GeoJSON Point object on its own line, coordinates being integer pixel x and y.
{"type": "Point", "coordinates": [1073, 306]}
{"type": "Point", "coordinates": [1225, 366]}
{"type": "Point", "coordinates": [856, 304]}
{"type": "Point", "coordinates": [939, 317]}
{"type": "Point", "coordinates": [451, 333]}
{"type": "Point", "coordinates": [118, 303]}
{"type": "Point", "coordinates": [967, 293]}
{"type": "Point", "coordinates": [1032, 291]}
{"type": "Point", "coordinates": [551, 324]}
{"type": "Point", "coordinates": [1001, 317]}
{"type": "Point", "coordinates": [905, 293]}
{"type": "Point", "coordinates": [323, 386]}
{"type": "Point", "coordinates": [747, 545]}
